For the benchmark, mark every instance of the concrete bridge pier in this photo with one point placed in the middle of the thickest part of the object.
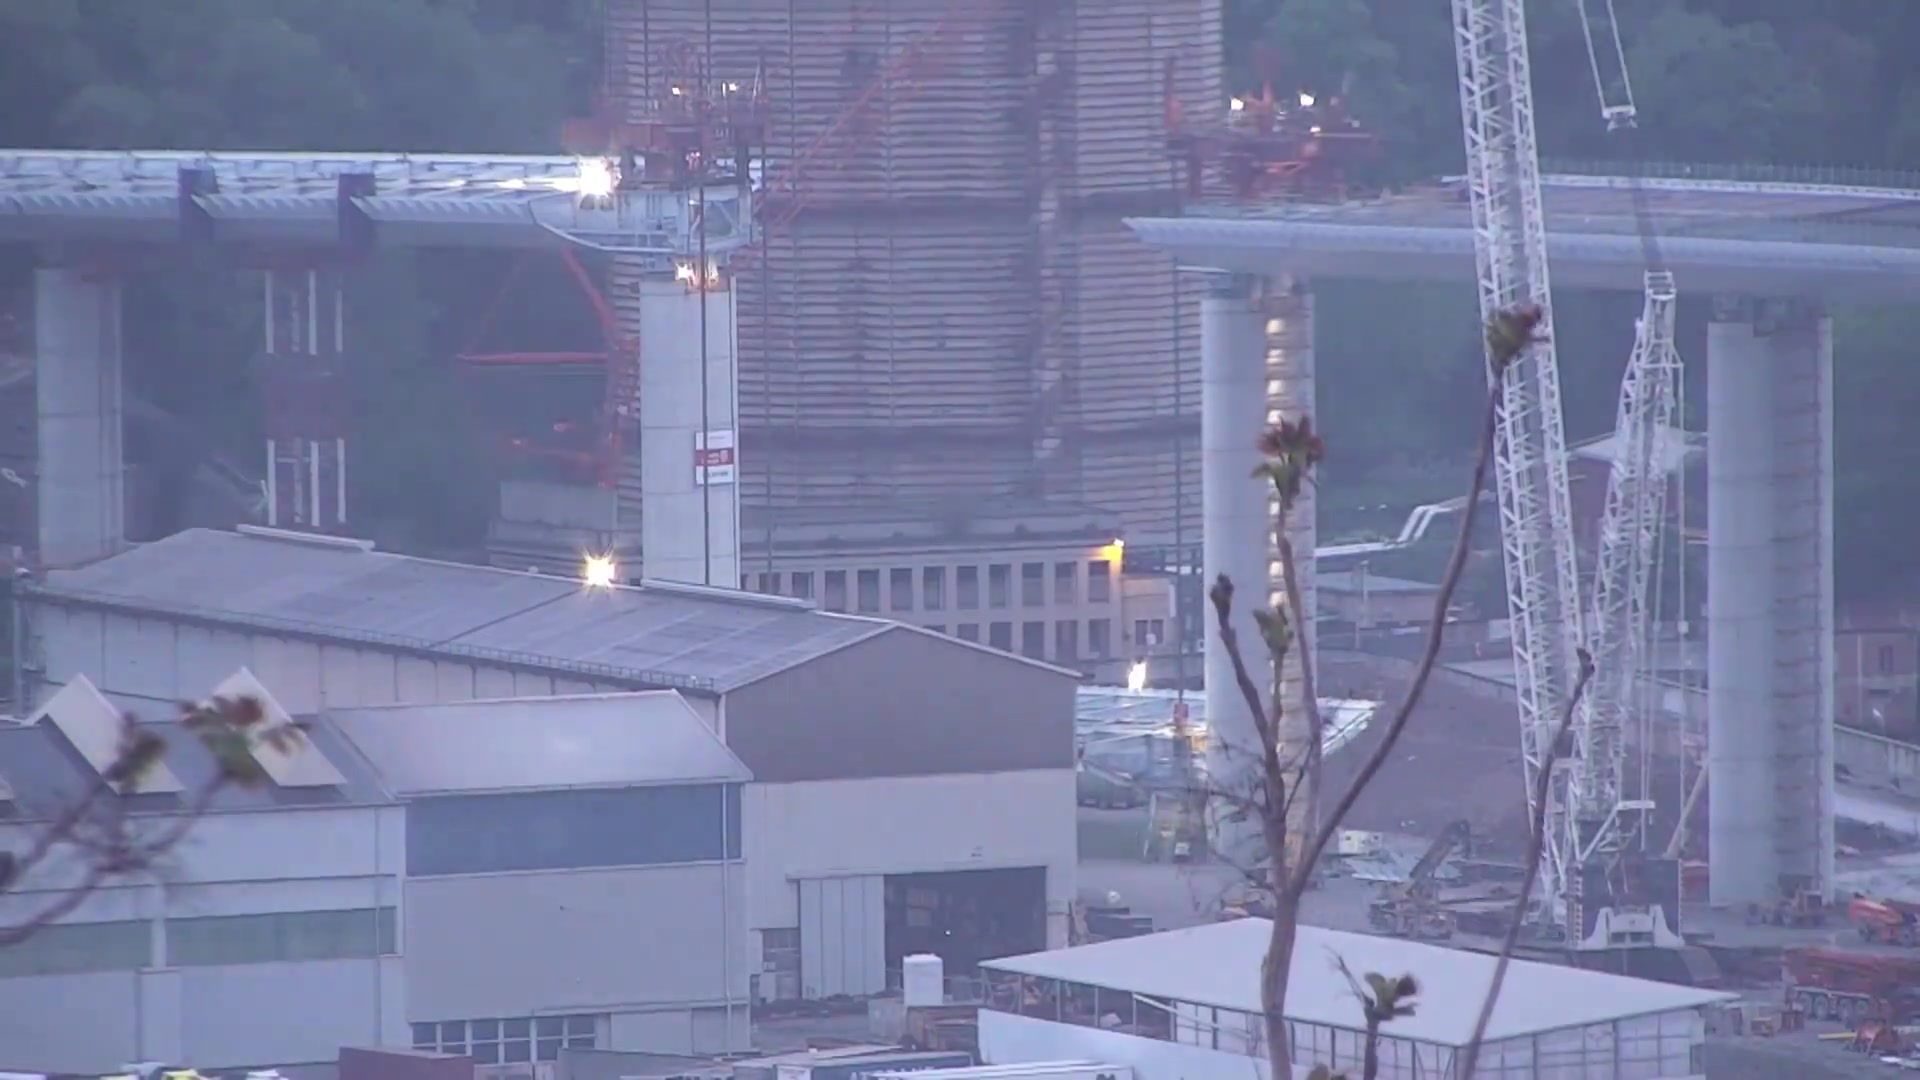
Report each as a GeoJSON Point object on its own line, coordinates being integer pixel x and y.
{"type": "Point", "coordinates": [1770, 664]}
{"type": "Point", "coordinates": [306, 417]}
{"type": "Point", "coordinates": [687, 415]}
{"type": "Point", "coordinates": [1256, 366]}
{"type": "Point", "coordinates": [81, 501]}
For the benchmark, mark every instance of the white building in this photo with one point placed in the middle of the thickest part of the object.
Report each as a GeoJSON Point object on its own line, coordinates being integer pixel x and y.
{"type": "Point", "coordinates": [573, 874]}
{"type": "Point", "coordinates": [899, 775]}
{"type": "Point", "coordinates": [1185, 1005]}
{"type": "Point", "coordinates": [270, 934]}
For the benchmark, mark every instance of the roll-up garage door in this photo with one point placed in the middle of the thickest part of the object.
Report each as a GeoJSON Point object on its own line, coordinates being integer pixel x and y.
{"type": "Point", "coordinates": [843, 927]}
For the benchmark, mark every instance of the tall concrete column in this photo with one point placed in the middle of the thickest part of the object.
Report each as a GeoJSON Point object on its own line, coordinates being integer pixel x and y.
{"type": "Point", "coordinates": [1256, 364]}
{"type": "Point", "coordinates": [303, 327]}
{"type": "Point", "coordinates": [1770, 661]}
{"type": "Point", "coordinates": [689, 420]}
{"type": "Point", "coordinates": [77, 386]}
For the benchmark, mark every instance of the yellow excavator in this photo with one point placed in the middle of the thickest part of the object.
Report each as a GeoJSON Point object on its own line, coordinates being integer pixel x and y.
{"type": "Point", "coordinates": [1411, 908]}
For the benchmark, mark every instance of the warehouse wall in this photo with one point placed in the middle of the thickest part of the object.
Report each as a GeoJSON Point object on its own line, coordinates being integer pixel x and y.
{"type": "Point", "coordinates": [166, 660]}
{"type": "Point", "coordinates": [180, 971]}
{"type": "Point", "coordinates": [897, 825]}
{"type": "Point", "coordinates": [654, 948]}
{"type": "Point", "coordinates": [904, 703]}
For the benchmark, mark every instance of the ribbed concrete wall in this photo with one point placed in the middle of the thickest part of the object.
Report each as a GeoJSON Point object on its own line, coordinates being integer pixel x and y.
{"type": "Point", "coordinates": [961, 260]}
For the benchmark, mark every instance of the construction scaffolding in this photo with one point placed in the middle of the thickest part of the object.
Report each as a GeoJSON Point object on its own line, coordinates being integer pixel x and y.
{"type": "Point", "coordinates": [946, 307]}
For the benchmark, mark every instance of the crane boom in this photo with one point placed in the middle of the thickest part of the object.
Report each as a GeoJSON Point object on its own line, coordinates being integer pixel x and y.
{"type": "Point", "coordinates": [1530, 461]}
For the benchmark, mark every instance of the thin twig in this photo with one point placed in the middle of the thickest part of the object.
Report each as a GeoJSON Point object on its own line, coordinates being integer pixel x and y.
{"type": "Point", "coordinates": [1429, 657]}
{"type": "Point", "coordinates": [1536, 853]}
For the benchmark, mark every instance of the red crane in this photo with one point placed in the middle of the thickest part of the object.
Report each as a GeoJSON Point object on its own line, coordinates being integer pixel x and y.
{"type": "Point", "coordinates": [689, 125]}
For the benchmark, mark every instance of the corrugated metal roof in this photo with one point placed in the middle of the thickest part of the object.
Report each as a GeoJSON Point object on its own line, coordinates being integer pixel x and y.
{"type": "Point", "coordinates": [519, 744]}
{"type": "Point", "coordinates": [651, 636]}
{"type": "Point", "coordinates": [1219, 965]}
{"type": "Point", "coordinates": [46, 774]}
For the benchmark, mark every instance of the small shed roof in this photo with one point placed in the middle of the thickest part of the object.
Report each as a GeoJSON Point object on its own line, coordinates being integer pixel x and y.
{"type": "Point", "coordinates": [688, 637]}
{"type": "Point", "coordinates": [1219, 965]}
{"type": "Point", "coordinates": [524, 744]}
{"type": "Point", "coordinates": [47, 773]}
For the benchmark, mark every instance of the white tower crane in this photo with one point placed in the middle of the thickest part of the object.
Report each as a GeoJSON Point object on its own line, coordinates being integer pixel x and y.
{"type": "Point", "coordinates": [1530, 458]}
{"type": "Point", "coordinates": [1622, 624]}
{"type": "Point", "coordinates": [1588, 814]}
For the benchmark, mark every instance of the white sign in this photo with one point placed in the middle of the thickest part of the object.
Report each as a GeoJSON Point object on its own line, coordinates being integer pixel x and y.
{"type": "Point", "coordinates": [714, 459]}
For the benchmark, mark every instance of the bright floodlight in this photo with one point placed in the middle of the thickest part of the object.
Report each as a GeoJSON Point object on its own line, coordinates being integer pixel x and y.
{"type": "Point", "coordinates": [1137, 675]}
{"type": "Point", "coordinates": [597, 178]}
{"type": "Point", "coordinates": [600, 572]}
{"type": "Point", "coordinates": [1306, 100]}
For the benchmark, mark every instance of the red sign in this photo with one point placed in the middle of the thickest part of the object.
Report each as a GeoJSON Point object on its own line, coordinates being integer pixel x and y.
{"type": "Point", "coordinates": [715, 458]}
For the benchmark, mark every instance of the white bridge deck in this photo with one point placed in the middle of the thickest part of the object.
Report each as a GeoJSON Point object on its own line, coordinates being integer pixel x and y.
{"type": "Point", "coordinates": [293, 197]}
{"type": "Point", "coordinates": [1778, 239]}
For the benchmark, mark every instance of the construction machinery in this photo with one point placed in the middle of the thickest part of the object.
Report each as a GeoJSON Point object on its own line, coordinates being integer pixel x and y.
{"type": "Point", "coordinates": [1411, 908]}
{"type": "Point", "coordinates": [1294, 145]}
{"type": "Point", "coordinates": [1800, 906]}
{"type": "Point", "coordinates": [1834, 984]}
{"type": "Point", "coordinates": [1883, 921]}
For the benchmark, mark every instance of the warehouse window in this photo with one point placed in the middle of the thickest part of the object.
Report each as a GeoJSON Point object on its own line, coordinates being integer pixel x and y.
{"type": "Point", "coordinates": [561, 830]}
{"type": "Point", "coordinates": [513, 1040]}
{"type": "Point", "coordinates": [1099, 581]}
{"type": "Point", "coordinates": [900, 590]}
{"type": "Point", "coordinates": [1000, 636]}
{"type": "Point", "coordinates": [869, 585]}
{"type": "Point", "coordinates": [78, 948]}
{"type": "Point", "coordinates": [1886, 659]}
{"type": "Point", "coordinates": [1100, 638]}
{"type": "Point", "coordinates": [803, 585]}
{"type": "Point", "coordinates": [999, 585]}
{"type": "Point", "coordinates": [933, 588]}
{"type": "Point", "coordinates": [969, 631]}
{"type": "Point", "coordinates": [836, 598]}
{"type": "Point", "coordinates": [967, 583]}
{"type": "Point", "coordinates": [1066, 581]}
{"type": "Point", "coordinates": [1033, 584]}
{"type": "Point", "coordinates": [282, 937]}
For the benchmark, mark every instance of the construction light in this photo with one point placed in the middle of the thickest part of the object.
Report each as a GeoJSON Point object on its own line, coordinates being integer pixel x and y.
{"type": "Point", "coordinates": [1114, 553]}
{"type": "Point", "coordinates": [1137, 676]}
{"type": "Point", "coordinates": [1237, 104]}
{"type": "Point", "coordinates": [600, 572]}
{"type": "Point", "coordinates": [598, 179]}
{"type": "Point", "coordinates": [1306, 100]}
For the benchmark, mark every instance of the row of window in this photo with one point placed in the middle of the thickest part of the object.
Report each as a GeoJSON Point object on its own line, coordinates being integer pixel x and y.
{"type": "Point", "coordinates": [511, 1041]}
{"type": "Point", "coordinates": [572, 830]}
{"type": "Point", "coordinates": [1644, 1047]}
{"type": "Point", "coordinates": [1149, 636]}
{"type": "Point", "coordinates": [205, 941]}
{"type": "Point", "coordinates": [926, 589]}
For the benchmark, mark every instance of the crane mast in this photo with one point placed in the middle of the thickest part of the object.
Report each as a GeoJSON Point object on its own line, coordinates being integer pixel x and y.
{"type": "Point", "coordinates": [1624, 601]}
{"type": "Point", "coordinates": [1530, 459]}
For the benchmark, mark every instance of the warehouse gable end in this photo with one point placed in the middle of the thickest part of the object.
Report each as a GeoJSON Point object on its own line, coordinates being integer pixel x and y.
{"type": "Point", "coordinates": [904, 702]}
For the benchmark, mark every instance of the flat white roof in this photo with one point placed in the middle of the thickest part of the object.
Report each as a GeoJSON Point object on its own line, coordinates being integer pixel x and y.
{"type": "Point", "coordinates": [1219, 965]}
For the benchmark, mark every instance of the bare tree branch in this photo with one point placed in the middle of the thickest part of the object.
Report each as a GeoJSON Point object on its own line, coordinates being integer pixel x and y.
{"type": "Point", "coordinates": [1429, 656]}
{"type": "Point", "coordinates": [1536, 853]}
{"type": "Point", "coordinates": [107, 838]}
{"type": "Point", "coordinates": [1292, 449]}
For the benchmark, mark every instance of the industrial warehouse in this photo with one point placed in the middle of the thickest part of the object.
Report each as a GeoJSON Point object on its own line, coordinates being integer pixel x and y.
{"type": "Point", "coordinates": [909, 791]}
